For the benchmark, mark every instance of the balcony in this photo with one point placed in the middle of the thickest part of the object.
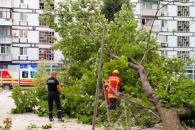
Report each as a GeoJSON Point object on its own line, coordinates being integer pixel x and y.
{"type": "Point", "coordinates": [23, 23]}
{"type": "Point", "coordinates": [164, 29]}
{"type": "Point", "coordinates": [150, 12]}
{"type": "Point", "coordinates": [5, 57]}
{"type": "Point", "coordinates": [22, 57]}
{"type": "Point", "coordinates": [19, 40]}
{"type": "Point", "coordinates": [156, 28]}
{"type": "Point", "coordinates": [5, 40]}
{"type": "Point", "coordinates": [6, 22]}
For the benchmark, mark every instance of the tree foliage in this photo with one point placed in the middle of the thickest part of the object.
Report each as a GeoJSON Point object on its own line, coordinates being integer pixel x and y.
{"type": "Point", "coordinates": [111, 7]}
{"type": "Point", "coordinates": [80, 25]}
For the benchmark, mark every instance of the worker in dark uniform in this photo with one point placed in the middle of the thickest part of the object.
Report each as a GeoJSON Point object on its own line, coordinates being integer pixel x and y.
{"type": "Point", "coordinates": [54, 90]}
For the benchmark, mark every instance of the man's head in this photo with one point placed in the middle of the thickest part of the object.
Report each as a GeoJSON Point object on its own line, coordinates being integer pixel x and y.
{"type": "Point", "coordinates": [53, 74]}
{"type": "Point", "coordinates": [115, 72]}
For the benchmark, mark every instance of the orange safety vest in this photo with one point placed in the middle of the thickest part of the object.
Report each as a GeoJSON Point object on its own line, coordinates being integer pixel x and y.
{"type": "Point", "coordinates": [113, 86]}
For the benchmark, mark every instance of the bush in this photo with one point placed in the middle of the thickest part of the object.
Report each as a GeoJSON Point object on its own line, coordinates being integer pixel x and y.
{"type": "Point", "coordinates": [77, 104]}
{"type": "Point", "coordinates": [25, 101]}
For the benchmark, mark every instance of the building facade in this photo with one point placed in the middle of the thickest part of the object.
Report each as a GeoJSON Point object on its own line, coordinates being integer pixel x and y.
{"type": "Point", "coordinates": [24, 38]}
{"type": "Point", "coordinates": [174, 27]}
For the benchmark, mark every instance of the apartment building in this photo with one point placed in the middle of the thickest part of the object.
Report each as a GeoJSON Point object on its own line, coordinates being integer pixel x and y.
{"type": "Point", "coordinates": [24, 39]}
{"type": "Point", "coordinates": [174, 27]}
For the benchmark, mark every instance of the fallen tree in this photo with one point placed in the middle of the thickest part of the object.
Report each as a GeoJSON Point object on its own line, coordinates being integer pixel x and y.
{"type": "Point", "coordinates": [169, 117]}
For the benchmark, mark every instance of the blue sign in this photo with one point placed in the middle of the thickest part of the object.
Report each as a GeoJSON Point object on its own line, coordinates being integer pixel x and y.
{"type": "Point", "coordinates": [25, 66]}
{"type": "Point", "coordinates": [33, 65]}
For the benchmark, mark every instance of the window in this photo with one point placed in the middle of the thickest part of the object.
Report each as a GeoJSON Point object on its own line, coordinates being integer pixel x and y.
{"type": "Point", "coordinates": [183, 41]}
{"type": "Point", "coordinates": [143, 21]}
{"type": "Point", "coordinates": [5, 13]}
{"type": "Point", "coordinates": [42, 22]}
{"type": "Point", "coordinates": [24, 74]}
{"type": "Point", "coordinates": [183, 26]}
{"type": "Point", "coordinates": [164, 44]}
{"type": "Point", "coordinates": [147, 5]}
{"type": "Point", "coordinates": [23, 17]}
{"type": "Point", "coordinates": [46, 37]}
{"type": "Point", "coordinates": [5, 49]}
{"type": "Point", "coordinates": [147, 21]}
{"type": "Point", "coordinates": [183, 11]}
{"type": "Point", "coordinates": [23, 51]}
{"type": "Point", "coordinates": [2, 49]}
{"type": "Point", "coordinates": [5, 31]}
{"type": "Point", "coordinates": [32, 74]}
{"type": "Point", "coordinates": [164, 53]}
{"type": "Point", "coordinates": [1, 14]}
{"type": "Point", "coordinates": [23, 33]}
{"type": "Point", "coordinates": [184, 55]}
{"type": "Point", "coordinates": [163, 23]}
{"type": "Point", "coordinates": [42, 5]}
{"type": "Point", "coordinates": [45, 54]}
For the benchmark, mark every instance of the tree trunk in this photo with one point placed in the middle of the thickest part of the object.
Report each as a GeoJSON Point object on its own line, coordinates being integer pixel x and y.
{"type": "Point", "coordinates": [169, 117]}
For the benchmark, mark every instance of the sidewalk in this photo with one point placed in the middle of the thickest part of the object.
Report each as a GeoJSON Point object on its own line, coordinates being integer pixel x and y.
{"type": "Point", "coordinates": [21, 121]}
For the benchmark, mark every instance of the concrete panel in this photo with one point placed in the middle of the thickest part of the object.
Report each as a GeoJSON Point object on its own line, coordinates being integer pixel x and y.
{"type": "Point", "coordinates": [33, 53]}
{"type": "Point", "coordinates": [6, 3]}
{"type": "Point", "coordinates": [172, 10]}
{"type": "Point", "coordinates": [33, 19]}
{"type": "Point", "coordinates": [15, 52]}
{"type": "Point", "coordinates": [33, 37]}
{"type": "Point", "coordinates": [172, 54]}
{"type": "Point", "coordinates": [33, 4]}
{"type": "Point", "coordinates": [172, 41]}
{"type": "Point", "coordinates": [172, 25]}
{"type": "Point", "coordinates": [192, 26]}
{"type": "Point", "coordinates": [192, 10]}
{"type": "Point", "coordinates": [192, 41]}
{"type": "Point", "coordinates": [58, 56]}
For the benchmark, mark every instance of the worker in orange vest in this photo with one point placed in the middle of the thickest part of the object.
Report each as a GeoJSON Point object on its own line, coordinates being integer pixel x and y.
{"type": "Point", "coordinates": [113, 90]}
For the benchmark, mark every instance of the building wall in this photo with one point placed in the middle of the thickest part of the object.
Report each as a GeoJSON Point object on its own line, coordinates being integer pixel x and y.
{"type": "Point", "coordinates": [169, 21]}
{"type": "Point", "coordinates": [25, 30]}
{"type": "Point", "coordinates": [192, 9]}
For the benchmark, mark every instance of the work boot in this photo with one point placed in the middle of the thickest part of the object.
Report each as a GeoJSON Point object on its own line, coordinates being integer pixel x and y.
{"type": "Point", "coordinates": [51, 119]}
{"type": "Point", "coordinates": [60, 120]}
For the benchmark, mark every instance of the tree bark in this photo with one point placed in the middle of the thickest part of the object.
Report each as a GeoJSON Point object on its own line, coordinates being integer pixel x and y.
{"type": "Point", "coordinates": [169, 117]}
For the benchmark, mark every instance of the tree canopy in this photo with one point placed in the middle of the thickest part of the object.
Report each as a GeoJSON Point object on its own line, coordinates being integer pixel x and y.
{"type": "Point", "coordinates": [80, 24]}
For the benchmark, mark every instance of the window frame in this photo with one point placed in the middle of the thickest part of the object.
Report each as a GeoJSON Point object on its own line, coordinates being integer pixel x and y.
{"type": "Point", "coordinates": [24, 76]}
{"type": "Point", "coordinates": [183, 41]}
{"type": "Point", "coordinates": [183, 26]}
{"type": "Point", "coordinates": [6, 49]}
{"type": "Point", "coordinates": [46, 37]}
{"type": "Point", "coordinates": [23, 51]}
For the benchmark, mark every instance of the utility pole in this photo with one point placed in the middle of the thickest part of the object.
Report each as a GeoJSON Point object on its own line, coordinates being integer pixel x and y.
{"type": "Point", "coordinates": [51, 61]}
{"type": "Point", "coordinates": [98, 79]}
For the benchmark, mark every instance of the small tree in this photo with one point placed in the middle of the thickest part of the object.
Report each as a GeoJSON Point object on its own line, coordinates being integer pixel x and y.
{"type": "Point", "coordinates": [41, 75]}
